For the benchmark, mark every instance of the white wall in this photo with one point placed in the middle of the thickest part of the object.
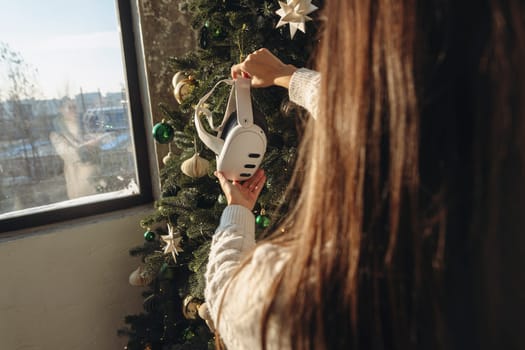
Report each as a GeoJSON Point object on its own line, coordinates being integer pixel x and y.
{"type": "Point", "coordinates": [67, 287]}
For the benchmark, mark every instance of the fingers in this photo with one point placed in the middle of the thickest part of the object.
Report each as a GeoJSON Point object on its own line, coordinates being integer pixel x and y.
{"type": "Point", "coordinates": [259, 185]}
{"type": "Point", "coordinates": [222, 180]}
{"type": "Point", "coordinates": [236, 71]}
{"type": "Point", "coordinates": [242, 69]}
{"type": "Point", "coordinates": [245, 193]}
{"type": "Point", "coordinates": [239, 70]}
{"type": "Point", "coordinates": [256, 182]}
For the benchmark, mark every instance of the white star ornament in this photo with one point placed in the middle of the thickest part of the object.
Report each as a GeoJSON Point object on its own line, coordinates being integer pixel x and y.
{"type": "Point", "coordinates": [295, 13]}
{"type": "Point", "coordinates": [172, 243]}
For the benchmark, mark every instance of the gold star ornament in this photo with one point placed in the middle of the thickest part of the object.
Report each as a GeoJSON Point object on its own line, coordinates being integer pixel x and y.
{"type": "Point", "coordinates": [295, 13]}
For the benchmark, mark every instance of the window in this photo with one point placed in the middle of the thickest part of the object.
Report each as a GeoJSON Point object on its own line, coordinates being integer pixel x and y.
{"type": "Point", "coordinates": [72, 137]}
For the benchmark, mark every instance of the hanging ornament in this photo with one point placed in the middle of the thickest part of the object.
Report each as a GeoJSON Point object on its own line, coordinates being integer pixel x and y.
{"type": "Point", "coordinates": [149, 235]}
{"type": "Point", "coordinates": [183, 89]}
{"type": "Point", "coordinates": [164, 210]}
{"type": "Point", "coordinates": [147, 272]}
{"type": "Point", "coordinates": [177, 77]}
{"type": "Point", "coordinates": [295, 13]}
{"type": "Point", "coordinates": [168, 158]}
{"type": "Point", "coordinates": [216, 30]}
{"type": "Point", "coordinates": [166, 272]}
{"type": "Point", "coordinates": [204, 38]}
{"type": "Point", "coordinates": [269, 182]}
{"type": "Point", "coordinates": [163, 132]}
{"type": "Point", "coordinates": [135, 279]}
{"type": "Point", "coordinates": [222, 199]}
{"type": "Point", "coordinates": [262, 220]}
{"type": "Point", "coordinates": [204, 313]}
{"type": "Point", "coordinates": [139, 278]}
{"type": "Point", "coordinates": [172, 241]}
{"type": "Point", "coordinates": [195, 166]}
{"type": "Point", "coordinates": [163, 268]}
{"type": "Point", "coordinates": [190, 307]}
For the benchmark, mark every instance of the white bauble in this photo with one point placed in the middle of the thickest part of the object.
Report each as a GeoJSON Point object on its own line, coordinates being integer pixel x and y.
{"type": "Point", "coordinates": [195, 166]}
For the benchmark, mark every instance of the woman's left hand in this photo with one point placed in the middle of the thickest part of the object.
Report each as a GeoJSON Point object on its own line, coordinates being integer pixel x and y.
{"type": "Point", "coordinates": [245, 193]}
{"type": "Point", "coordinates": [264, 69]}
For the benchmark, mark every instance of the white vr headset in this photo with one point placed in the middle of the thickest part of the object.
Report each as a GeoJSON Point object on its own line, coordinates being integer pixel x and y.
{"type": "Point", "coordinates": [240, 143]}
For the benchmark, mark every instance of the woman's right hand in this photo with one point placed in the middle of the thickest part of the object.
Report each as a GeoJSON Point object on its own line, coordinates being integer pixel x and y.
{"type": "Point", "coordinates": [264, 69]}
{"type": "Point", "coordinates": [245, 193]}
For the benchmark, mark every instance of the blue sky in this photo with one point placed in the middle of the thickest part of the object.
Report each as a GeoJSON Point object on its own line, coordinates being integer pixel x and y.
{"type": "Point", "coordinates": [73, 44]}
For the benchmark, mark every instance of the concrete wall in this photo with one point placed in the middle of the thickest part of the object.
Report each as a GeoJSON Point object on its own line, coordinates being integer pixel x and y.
{"type": "Point", "coordinates": [66, 286]}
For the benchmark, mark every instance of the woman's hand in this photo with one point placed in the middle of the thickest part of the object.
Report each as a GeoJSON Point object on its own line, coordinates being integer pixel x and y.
{"type": "Point", "coordinates": [264, 69]}
{"type": "Point", "coordinates": [244, 194]}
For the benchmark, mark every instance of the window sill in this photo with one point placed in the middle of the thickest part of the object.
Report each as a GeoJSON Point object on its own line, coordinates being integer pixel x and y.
{"type": "Point", "coordinates": [85, 221]}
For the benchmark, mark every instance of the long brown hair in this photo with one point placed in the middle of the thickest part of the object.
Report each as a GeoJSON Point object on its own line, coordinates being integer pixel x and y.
{"type": "Point", "coordinates": [409, 225]}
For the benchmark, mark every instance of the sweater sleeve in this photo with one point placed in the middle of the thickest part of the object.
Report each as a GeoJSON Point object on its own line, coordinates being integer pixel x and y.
{"type": "Point", "coordinates": [241, 307]}
{"type": "Point", "coordinates": [232, 239]}
{"type": "Point", "coordinates": [304, 89]}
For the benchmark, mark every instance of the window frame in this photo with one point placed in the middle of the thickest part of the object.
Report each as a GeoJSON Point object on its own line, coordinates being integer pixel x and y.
{"type": "Point", "coordinates": [129, 35]}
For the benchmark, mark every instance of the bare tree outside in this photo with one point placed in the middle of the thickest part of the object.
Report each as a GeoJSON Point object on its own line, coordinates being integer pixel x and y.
{"type": "Point", "coordinates": [18, 127]}
{"type": "Point", "coordinates": [53, 150]}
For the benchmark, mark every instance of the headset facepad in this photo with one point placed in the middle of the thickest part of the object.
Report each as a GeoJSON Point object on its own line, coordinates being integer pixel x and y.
{"type": "Point", "coordinates": [240, 142]}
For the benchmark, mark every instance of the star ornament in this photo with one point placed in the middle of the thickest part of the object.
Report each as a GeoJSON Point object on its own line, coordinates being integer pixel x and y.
{"type": "Point", "coordinates": [172, 243]}
{"type": "Point", "coordinates": [295, 13]}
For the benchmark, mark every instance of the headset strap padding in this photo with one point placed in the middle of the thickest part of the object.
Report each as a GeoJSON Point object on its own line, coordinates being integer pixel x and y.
{"type": "Point", "coordinates": [239, 100]}
{"type": "Point", "coordinates": [244, 102]}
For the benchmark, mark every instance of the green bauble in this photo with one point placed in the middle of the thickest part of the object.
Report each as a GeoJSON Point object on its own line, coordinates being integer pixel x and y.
{"type": "Point", "coordinates": [166, 272]}
{"type": "Point", "coordinates": [262, 221]}
{"type": "Point", "coordinates": [163, 132]}
{"type": "Point", "coordinates": [163, 268]}
{"type": "Point", "coordinates": [149, 235]}
{"type": "Point", "coordinates": [222, 199]}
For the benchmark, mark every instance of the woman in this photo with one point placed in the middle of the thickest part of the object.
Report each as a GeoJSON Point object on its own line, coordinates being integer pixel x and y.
{"type": "Point", "coordinates": [408, 232]}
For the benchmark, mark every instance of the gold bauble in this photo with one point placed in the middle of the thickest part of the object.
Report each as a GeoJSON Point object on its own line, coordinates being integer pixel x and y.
{"type": "Point", "coordinates": [190, 307]}
{"type": "Point", "coordinates": [195, 166]}
{"type": "Point", "coordinates": [204, 313]}
{"type": "Point", "coordinates": [177, 78]}
{"type": "Point", "coordinates": [183, 89]}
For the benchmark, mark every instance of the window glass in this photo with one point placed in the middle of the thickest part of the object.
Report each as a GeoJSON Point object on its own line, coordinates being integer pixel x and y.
{"type": "Point", "coordinates": [66, 135]}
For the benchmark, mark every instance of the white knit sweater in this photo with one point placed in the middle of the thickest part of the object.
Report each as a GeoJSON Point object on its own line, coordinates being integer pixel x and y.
{"type": "Point", "coordinates": [240, 318]}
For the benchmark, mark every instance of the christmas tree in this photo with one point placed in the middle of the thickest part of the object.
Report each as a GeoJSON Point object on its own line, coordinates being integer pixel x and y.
{"type": "Point", "coordinates": [178, 233]}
